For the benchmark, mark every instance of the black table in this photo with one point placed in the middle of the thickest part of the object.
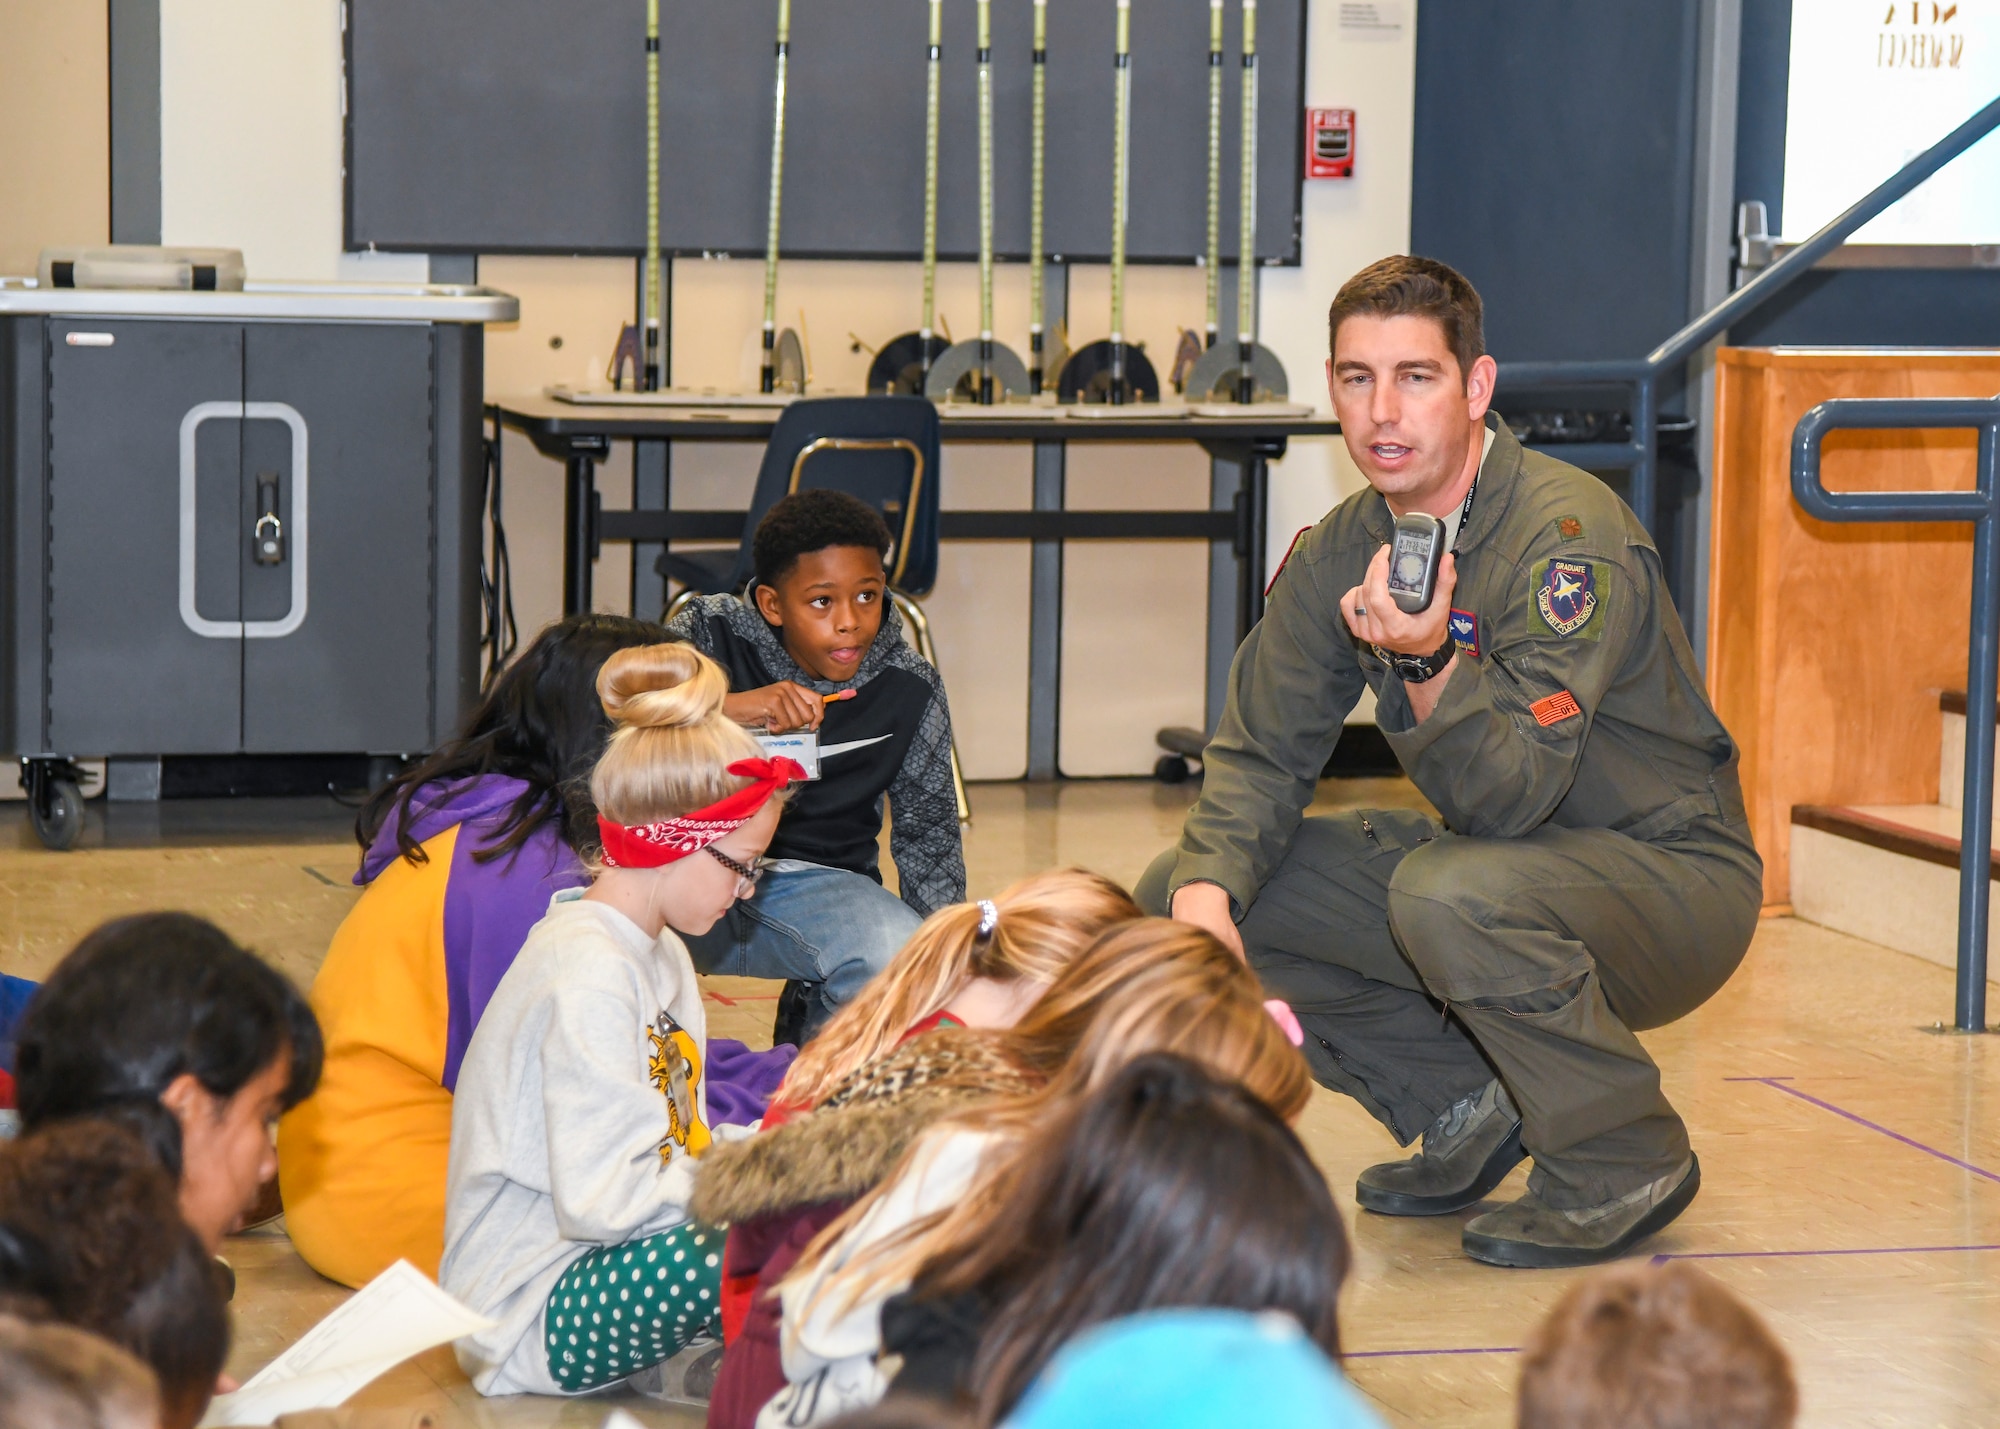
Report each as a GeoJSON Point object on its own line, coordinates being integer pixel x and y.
{"type": "Point", "coordinates": [1239, 449]}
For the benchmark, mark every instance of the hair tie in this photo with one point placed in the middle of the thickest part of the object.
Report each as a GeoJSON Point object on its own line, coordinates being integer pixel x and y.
{"type": "Point", "coordinates": [989, 917]}
{"type": "Point", "coordinates": [1282, 1014]}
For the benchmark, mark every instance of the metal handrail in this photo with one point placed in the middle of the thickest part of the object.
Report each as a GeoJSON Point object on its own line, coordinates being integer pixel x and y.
{"type": "Point", "coordinates": [1982, 676]}
{"type": "Point", "coordinates": [1643, 375]}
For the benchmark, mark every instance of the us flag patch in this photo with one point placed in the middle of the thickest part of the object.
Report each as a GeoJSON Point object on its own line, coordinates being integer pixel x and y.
{"type": "Point", "coordinates": [1555, 709]}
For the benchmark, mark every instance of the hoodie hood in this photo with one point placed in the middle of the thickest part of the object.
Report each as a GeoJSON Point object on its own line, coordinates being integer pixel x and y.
{"type": "Point", "coordinates": [436, 807]}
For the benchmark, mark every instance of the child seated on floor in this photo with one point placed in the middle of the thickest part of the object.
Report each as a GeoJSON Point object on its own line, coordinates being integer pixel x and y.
{"type": "Point", "coordinates": [459, 859]}
{"type": "Point", "coordinates": [1161, 986]}
{"type": "Point", "coordinates": [1193, 1369]}
{"type": "Point", "coordinates": [817, 624]}
{"type": "Point", "coordinates": [162, 1023]}
{"type": "Point", "coordinates": [91, 1236]}
{"type": "Point", "coordinates": [981, 965]}
{"type": "Point", "coordinates": [58, 1377]}
{"type": "Point", "coordinates": [582, 1101]}
{"type": "Point", "coordinates": [1164, 1187]}
{"type": "Point", "coordinates": [1641, 1346]}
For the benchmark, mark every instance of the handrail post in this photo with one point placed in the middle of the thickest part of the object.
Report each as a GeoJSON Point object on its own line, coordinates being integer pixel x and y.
{"type": "Point", "coordinates": [1980, 507]}
{"type": "Point", "coordinates": [1982, 696]}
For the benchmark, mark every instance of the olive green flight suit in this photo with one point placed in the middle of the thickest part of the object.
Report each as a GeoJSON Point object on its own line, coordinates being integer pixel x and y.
{"type": "Point", "coordinates": [1593, 871]}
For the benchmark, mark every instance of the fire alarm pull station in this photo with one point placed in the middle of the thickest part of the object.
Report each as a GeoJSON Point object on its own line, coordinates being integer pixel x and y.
{"type": "Point", "coordinates": [1329, 143]}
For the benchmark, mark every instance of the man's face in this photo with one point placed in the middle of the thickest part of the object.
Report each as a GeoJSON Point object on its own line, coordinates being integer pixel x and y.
{"type": "Point", "coordinates": [1406, 411]}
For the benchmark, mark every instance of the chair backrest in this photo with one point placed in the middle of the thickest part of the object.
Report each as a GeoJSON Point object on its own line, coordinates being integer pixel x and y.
{"type": "Point", "coordinates": [883, 450]}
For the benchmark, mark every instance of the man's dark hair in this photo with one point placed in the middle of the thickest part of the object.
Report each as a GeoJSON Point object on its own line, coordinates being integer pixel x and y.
{"type": "Point", "coordinates": [91, 1235]}
{"type": "Point", "coordinates": [1407, 286]}
{"type": "Point", "coordinates": [1114, 1211]}
{"type": "Point", "coordinates": [139, 1002]}
{"type": "Point", "coordinates": [812, 520]}
{"type": "Point", "coordinates": [541, 723]}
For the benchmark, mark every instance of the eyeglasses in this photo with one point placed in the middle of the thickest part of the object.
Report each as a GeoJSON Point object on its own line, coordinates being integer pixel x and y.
{"type": "Point", "coordinates": [747, 874]}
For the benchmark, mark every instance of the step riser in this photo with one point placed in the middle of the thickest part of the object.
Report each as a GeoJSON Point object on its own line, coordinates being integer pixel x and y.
{"type": "Point", "coordinates": [1905, 903]}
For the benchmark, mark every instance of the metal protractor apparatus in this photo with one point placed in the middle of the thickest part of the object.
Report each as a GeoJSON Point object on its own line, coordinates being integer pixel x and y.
{"type": "Point", "coordinates": [902, 365]}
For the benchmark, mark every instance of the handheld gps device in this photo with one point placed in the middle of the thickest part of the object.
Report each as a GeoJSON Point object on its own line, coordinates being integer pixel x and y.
{"type": "Point", "coordinates": [1415, 550]}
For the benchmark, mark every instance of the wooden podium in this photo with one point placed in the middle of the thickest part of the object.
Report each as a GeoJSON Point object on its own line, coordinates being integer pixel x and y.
{"type": "Point", "coordinates": [1828, 645]}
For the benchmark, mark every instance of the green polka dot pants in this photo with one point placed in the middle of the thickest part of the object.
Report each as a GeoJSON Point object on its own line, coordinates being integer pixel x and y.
{"type": "Point", "coordinates": [618, 1309]}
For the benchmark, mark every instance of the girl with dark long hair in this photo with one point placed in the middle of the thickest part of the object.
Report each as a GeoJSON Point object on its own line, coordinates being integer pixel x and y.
{"type": "Point", "coordinates": [1165, 1188]}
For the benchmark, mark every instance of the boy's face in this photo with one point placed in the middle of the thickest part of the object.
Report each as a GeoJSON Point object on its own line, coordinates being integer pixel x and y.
{"type": "Point", "coordinates": [827, 608]}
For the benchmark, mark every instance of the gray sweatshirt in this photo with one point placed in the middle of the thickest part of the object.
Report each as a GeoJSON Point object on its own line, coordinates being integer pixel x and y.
{"type": "Point", "coordinates": [579, 1110]}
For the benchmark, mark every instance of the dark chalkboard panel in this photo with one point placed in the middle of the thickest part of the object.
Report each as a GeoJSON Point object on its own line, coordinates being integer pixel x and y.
{"type": "Point", "coordinates": [518, 126]}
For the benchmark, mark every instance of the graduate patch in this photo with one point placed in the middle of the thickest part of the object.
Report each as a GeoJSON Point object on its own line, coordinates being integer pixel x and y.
{"type": "Point", "coordinates": [1555, 709]}
{"type": "Point", "coordinates": [1566, 595]}
{"type": "Point", "coordinates": [1464, 628]}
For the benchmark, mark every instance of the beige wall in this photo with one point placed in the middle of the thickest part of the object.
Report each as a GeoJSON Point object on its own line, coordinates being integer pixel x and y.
{"type": "Point", "coordinates": [55, 128]}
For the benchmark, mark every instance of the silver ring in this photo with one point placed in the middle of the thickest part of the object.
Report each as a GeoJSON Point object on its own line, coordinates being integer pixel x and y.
{"type": "Point", "coordinates": [1361, 610]}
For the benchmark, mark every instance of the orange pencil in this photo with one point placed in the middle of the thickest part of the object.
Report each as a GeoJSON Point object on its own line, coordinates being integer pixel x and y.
{"type": "Point", "coordinates": [838, 695]}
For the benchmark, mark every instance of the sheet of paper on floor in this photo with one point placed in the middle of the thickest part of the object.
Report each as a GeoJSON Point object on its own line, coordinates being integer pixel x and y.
{"type": "Point", "coordinates": [398, 1314]}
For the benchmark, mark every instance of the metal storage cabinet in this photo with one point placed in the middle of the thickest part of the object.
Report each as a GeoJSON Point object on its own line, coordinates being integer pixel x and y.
{"type": "Point", "coordinates": [240, 522]}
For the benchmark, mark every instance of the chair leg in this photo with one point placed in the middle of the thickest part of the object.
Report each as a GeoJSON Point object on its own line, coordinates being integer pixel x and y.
{"type": "Point", "coordinates": [913, 616]}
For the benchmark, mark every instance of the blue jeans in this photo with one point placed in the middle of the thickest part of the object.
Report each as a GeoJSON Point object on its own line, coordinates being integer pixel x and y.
{"type": "Point", "coordinates": [816, 924]}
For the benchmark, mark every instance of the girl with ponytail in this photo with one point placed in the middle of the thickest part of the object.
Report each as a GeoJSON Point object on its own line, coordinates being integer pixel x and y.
{"type": "Point", "coordinates": [582, 1100]}
{"type": "Point", "coordinates": [853, 1108]}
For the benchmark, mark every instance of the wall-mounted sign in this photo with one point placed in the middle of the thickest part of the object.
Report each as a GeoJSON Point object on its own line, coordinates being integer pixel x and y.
{"type": "Point", "coordinates": [1873, 84]}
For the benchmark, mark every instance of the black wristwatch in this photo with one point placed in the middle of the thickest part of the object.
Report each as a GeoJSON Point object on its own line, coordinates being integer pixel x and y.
{"type": "Point", "coordinates": [1415, 669]}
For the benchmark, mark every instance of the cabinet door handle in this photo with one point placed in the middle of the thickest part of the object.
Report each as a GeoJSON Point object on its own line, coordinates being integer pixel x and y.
{"type": "Point", "coordinates": [267, 537]}
{"type": "Point", "coordinates": [295, 616]}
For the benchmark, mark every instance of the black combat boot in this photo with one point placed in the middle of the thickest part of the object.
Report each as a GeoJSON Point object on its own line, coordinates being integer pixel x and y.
{"type": "Point", "coordinates": [1467, 1152]}
{"type": "Point", "coordinates": [1534, 1234]}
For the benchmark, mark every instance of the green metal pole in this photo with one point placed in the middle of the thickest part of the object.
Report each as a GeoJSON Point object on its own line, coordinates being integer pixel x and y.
{"type": "Point", "coordinates": [1120, 192]}
{"type": "Point", "coordinates": [652, 305]}
{"type": "Point", "coordinates": [1036, 276]}
{"type": "Point", "coordinates": [1214, 249]}
{"type": "Point", "coordinates": [767, 381]}
{"type": "Point", "coordinates": [929, 324]}
{"type": "Point", "coordinates": [985, 61]}
{"type": "Point", "coordinates": [1246, 248]}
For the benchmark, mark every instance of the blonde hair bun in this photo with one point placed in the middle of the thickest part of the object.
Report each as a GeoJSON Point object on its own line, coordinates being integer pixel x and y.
{"type": "Point", "coordinates": [661, 687]}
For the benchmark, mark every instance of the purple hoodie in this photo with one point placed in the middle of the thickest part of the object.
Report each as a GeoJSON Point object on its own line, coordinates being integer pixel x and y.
{"type": "Point", "coordinates": [490, 906]}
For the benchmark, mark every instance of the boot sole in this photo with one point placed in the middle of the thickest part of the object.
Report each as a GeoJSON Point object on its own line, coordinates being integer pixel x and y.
{"type": "Point", "coordinates": [1503, 1159]}
{"type": "Point", "coordinates": [1525, 1255]}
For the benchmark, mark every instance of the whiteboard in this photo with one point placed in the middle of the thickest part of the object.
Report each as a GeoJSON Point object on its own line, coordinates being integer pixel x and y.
{"type": "Point", "coordinates": [1873, 84]}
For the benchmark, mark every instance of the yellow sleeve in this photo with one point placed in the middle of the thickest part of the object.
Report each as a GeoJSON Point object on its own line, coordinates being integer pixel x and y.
{"type": "Point", "coordinates": [362, 1162]}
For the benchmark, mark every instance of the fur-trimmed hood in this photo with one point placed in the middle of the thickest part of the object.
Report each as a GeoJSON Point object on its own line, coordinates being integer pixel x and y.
{"type": "Point", "coordinates": [849, 1144]}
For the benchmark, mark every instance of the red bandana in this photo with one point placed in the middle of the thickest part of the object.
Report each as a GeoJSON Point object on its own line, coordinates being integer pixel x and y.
{"type": "Point", "coordinates": [652, 845]}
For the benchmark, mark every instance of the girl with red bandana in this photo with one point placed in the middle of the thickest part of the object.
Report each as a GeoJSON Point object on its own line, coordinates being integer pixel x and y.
{"type": "Point", "coordinates": [581, 1102]}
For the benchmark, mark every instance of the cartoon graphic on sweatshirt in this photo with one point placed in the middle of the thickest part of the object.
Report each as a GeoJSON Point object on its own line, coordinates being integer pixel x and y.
{"type": "Point", "coordinates": [675, 1068]}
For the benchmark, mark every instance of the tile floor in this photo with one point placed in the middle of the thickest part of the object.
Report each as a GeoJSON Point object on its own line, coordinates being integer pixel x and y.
{"type": "Point", "coordinates": [1850, 1149]}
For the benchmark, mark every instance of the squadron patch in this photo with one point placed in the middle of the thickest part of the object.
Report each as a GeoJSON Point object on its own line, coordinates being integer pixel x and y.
{"type": "Point", "coordinates": [1464, 628]}
{"type": "Point", "coordinates": [1566, 595]}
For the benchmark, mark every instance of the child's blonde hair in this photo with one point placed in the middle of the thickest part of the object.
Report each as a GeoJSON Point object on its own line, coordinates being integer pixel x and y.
{"type": "Point", "coordinates": [1041, 923]}
{"type": "Point", "coordinates": [1151, 985]}
{"type": "Point", "coordinates": [671, 745]}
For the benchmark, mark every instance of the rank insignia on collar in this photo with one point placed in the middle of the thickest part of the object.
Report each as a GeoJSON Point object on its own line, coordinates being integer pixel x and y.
{"type": "Point", "coordinates": [1464, 628]}
{"type": "Point", "coordinates": [1566, 596]}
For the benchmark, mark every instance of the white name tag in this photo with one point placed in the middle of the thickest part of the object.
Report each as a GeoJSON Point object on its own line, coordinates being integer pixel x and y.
{"type": "Point", "coordinates": [800, 744]}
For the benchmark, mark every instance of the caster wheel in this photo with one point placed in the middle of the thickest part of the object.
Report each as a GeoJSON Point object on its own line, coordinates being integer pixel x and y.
{"type": "Point", "coordinates": [1172, 769]}
{"type": "Point", "coordinates": [58, 815]}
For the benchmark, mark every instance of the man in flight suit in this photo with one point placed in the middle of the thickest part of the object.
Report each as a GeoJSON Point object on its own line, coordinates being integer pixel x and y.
{"type": "Point", "coordinates": [1476, 978]}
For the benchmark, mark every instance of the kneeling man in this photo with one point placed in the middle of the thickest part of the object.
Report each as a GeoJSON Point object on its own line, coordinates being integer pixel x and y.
{"type": "Point", "coordinates": [1477, 978]}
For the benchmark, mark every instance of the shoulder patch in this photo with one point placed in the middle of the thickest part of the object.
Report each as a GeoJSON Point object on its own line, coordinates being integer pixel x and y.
{"type": "Point", "coordinates": [1569, 528]}
{"type": "Point", "coordinates": [1303, 532]}
{"type": "Point", "coordinates": [1567, 597]}
{"type": "Point", "coordinates": [1464, 628]}
{"type": "Point", "coordinates": [1555, 709]}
